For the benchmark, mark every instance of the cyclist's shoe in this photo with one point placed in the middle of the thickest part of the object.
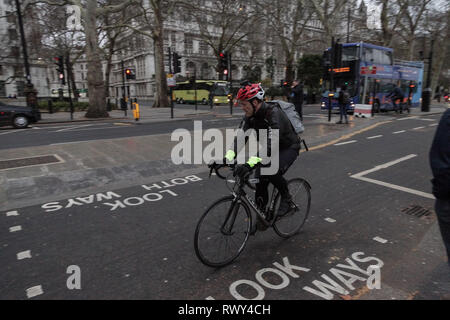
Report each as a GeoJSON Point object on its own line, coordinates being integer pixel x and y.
{"type": "Point", "coordinates": [286, 206]}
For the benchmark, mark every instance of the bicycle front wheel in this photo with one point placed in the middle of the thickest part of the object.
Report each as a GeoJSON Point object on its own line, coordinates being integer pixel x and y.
{"type": "Point", "coordinates": [292, 222]}
{"type": "Point", "coordinates": [222, 232]}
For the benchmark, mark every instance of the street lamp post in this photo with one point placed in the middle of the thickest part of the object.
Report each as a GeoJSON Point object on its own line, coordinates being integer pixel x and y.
{"type": "Point", "coordinates": [30, 91]}
{"type": "Point", "coordinates": [427, 93]}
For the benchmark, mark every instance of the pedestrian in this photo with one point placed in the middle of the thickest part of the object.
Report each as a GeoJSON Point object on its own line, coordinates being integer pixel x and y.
{"type": "Point", "coordinates": [397, 94]}
{"type": "Point", "coordinates": [440, 166]}
{"type": "Point", "coordinates": [297, 97]}
{"type": "Point", "coordinates": [211, 99]}
{"type": "Point", "coordinates": [344, 102]}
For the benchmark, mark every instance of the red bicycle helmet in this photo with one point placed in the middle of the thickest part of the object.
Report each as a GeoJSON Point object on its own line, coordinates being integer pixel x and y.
{"type": "Point", "coordinates": [250, 91]}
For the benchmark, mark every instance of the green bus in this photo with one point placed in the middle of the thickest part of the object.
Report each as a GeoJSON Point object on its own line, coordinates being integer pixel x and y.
{"type": "Point", "coordinates": [185, 92]}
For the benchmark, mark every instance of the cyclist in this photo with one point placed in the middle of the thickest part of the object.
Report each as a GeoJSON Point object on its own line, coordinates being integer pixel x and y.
{"type": "Point", "coordinates": [397, 94]}
{"type": "Point", "coordinates": [261, 115]}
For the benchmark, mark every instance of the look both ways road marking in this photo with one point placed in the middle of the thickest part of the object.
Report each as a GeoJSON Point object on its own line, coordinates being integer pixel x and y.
{"type": "Point", "coordinates": [361, 176]}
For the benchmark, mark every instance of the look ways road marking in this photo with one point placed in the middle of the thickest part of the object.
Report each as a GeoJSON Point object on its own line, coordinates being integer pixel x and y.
{"type": "Point", "coordinates": [360, 176]}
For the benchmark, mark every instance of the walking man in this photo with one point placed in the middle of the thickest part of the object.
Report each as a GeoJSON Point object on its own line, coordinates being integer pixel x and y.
{"type": "Point", "coordinates": [440, 165]}
{"type": "Point", "coordinates": [344, 101]}
{"type": "Point", "coordinates": [297, 97]}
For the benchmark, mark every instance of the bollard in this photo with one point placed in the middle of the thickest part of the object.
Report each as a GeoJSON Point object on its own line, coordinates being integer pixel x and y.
{"type": "Point", "coordinates": [136, 111]}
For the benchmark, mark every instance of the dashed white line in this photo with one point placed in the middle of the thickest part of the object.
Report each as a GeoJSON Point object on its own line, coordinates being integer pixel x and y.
{"type": "Point", "coordinates": [34, 291]}
{"type": "Point", "coordinates": [418, 128]}
{"type": "Point", "coordinates": [433, 125]}
{"type": "Point", "coordinates": [24, 255]}
{"type": "Point", "coordinates": [374, 137]}
{"type": "Point", "coordinates": [330, 220]}
{"type": "Point", "coordinates": [380, 240]}
{"type": "Point", "coordinates": [397, 132]}
{"type": "Point", "coordinates": [347, 142]}
{"type": "Point", "coordinates": [12, 213]}
{"type": "Point", "coordinates": [15, 229]}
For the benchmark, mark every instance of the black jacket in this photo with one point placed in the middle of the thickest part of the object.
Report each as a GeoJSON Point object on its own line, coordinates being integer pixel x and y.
{"type": "Point", "coordinates": [297, 97]}
{"type": "Point", "coordinates": [271, 116]}
{"type": "Point", "coordinates": [440, 159]}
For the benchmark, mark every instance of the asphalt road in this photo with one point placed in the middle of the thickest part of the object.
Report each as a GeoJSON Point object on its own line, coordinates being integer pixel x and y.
{"type": "Point", "coordinates": [47, 134]}
{"type": "Point", "coordinates": [138, 244]}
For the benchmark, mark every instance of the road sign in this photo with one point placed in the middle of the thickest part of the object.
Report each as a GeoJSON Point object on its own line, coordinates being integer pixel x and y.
{"type": "Point", "coordinates": [369, 70]}
{"type": "Point", "coordinates": [171, 80]}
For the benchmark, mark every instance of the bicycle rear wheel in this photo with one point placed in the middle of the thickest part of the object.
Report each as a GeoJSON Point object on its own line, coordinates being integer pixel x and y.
{"type": "Point", "coordinates": [222, 232]}
{"type": "Point", "coordinates": [290, 224]}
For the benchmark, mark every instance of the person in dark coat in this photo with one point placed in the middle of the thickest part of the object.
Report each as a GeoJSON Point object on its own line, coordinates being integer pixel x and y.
{"type": "Point", "coordinates": [297, 97]}
{"type": "Point", "coordinates": [440, 166]}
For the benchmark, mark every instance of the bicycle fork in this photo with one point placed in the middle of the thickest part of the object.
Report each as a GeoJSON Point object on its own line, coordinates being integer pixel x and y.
{"type": "Point", "coordinates": [227, 226]}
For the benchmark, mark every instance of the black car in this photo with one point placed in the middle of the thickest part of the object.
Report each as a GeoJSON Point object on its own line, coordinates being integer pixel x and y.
{"type": "Point", "coordinates": [19, 117]}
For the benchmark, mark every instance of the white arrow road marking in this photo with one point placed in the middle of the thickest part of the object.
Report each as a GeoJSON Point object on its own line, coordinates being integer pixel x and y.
{"type": "Point", "coordinates": [360, 176]}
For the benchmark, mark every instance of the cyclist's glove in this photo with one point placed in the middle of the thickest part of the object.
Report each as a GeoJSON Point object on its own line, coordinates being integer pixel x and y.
{"type": "Point", "coordinates": [242, 170]}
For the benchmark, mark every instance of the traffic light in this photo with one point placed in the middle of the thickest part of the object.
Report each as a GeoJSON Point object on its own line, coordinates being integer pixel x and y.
{"type": "Point", "coordinates": [176, 63]}
{"type": "Point", "coordinates": [337, 55]}
{"type": "Point", "coordinates": [59, 61]}
{"type": "Point", "coordinates": [223, 61]}
{"type": "Point", "coordinates": [130, 74]}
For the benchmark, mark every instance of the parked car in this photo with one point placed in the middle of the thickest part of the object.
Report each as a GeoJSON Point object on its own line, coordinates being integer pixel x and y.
{"type": "Point", "coordinates": [17, 116]}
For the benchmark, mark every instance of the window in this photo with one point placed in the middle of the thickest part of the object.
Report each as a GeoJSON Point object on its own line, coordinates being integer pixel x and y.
{"type": "Point", "coordinates": [12, 34]}
{"type": "Point", "coordinates": [349, 53]}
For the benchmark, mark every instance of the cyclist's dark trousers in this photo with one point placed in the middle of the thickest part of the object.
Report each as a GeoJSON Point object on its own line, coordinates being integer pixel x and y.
{"type": "Point", "coordinates": [287, 158]}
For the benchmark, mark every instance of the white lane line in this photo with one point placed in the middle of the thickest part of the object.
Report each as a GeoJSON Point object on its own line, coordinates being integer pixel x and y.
{"type": "Point", "coordinates": [374, 137]}
{"type": "Point", "coordinates": [433, 125]}
{"type": "Point", "coordinates": [424, 119]}
{"type": "Point", "coordinates": [12, 213]}
{"type": "Point", "coordinates": [24, 255]}
{"type": "Point", "coordinates": [380, 240]}
{"type": "Point", "coordinates": [73, 127]}
{"type": "Point", "coordinates": [15, 229]}
{"type": "Point", "coordinates": [360, 176]}
{"type": "Point", "coordinates": [408, 118]}
{"type": "Point", "coordinates": [34, 291]}
{"type": "Point", "coordinates": [330, 220]}
{"type": "Point", "coordinates": [347, 142]}
{"type": "Point", "coordinates": [397, 132]}
{"type": "Point", "coordinates": [62, 143]}
{"type": "Point", "coordinates": [418, 128]}
{"type": "Point", "coordinates": [7, 132]}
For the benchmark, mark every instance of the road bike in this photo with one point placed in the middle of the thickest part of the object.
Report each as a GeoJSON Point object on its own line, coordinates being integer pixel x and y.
{"type": "Point", "coordinates": [224, 228]}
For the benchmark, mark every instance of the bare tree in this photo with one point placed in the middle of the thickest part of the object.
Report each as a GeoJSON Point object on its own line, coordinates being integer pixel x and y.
{"type": "Point", "coordinates": [409, 23]}
{"type": "Point", "coordinates": [152, 15]}
{"type": "Point", "coordinates": [223, 24]}
{"type": "Point", "coordinates": [90, 11]}
{"type": "Point", "coordinates": [330, 13]}
{"type": "Point", "coordinates": [288, 19]}
{"type": "Point", "coordinates": [437, 27]}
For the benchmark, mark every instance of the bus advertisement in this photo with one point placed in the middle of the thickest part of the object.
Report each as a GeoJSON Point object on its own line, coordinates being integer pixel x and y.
{"type": "Point", "coordinates": [370, 73]}
{"type": "Point", "coordinates": [217, 90]}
